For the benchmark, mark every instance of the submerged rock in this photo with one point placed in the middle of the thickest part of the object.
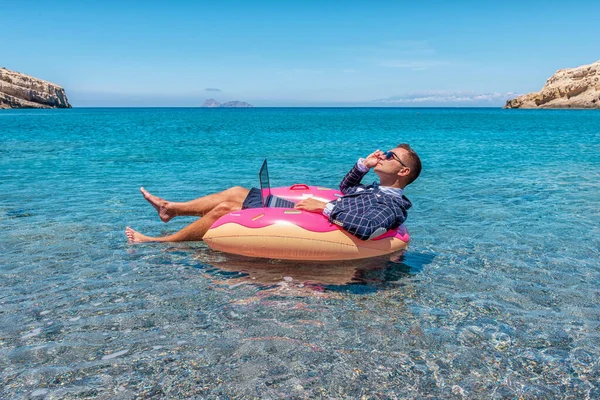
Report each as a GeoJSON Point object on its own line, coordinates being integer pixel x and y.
{"type": "Point", "coordinates": [18, 90]}
{"type": "Point", "coordinates": [567, 88]}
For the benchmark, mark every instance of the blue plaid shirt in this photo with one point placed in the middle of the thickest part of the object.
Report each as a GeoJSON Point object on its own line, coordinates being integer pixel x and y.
{"type": "Point", "coordinates": [367, 211]}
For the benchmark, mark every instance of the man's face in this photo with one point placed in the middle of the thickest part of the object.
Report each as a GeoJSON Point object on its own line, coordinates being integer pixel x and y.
{"type": "Point", "coordinates": [394, 163]}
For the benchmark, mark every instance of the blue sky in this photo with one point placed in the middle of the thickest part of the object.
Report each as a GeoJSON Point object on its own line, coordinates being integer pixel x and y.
{"type": "Point", "coordinates": [305, 53]}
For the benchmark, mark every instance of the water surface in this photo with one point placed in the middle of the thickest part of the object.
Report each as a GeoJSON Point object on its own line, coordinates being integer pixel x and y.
{"type": "Point", "coordinates": [497, 296]}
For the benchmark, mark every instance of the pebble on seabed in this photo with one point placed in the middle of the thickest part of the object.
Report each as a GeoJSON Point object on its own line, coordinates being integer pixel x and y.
{"type": "Point", "coordinates": [39, 392]}
{"type": "Point", "coordinates": [115, 355]}
{"type": "Point", "coordinates": [33, 333]}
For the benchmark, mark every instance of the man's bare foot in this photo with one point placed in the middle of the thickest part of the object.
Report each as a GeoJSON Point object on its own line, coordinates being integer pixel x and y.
{"type": "Point", "coordinates": [162, 206]}
{"type": "Point", "coordinates": [136, 237]}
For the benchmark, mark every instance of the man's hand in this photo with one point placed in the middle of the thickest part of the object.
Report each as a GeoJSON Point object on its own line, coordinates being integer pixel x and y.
{"type": "Point", "coordinates": [373, 159]}
{"type": "Point", "coordinates": [311, 205]}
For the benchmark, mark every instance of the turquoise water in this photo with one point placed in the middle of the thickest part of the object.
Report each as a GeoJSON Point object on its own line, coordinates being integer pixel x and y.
{"type": "Point", "coordinates": [497, 296]}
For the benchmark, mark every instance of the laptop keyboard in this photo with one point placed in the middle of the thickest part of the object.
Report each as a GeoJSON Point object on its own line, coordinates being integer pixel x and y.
{"type": "Point", "coordinates": [278, 202]}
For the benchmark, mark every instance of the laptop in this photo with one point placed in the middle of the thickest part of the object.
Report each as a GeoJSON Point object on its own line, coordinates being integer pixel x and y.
{"type": "Point", "coordinates": [268, 200]}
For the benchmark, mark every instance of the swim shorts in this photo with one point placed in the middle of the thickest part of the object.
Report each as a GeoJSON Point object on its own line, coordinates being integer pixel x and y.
{"type": "Point", "coordinates": [253, 199]}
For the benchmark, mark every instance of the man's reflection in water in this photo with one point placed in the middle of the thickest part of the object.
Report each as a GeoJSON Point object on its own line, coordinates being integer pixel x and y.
{"type": "Point", "coordinates": [312, 276]}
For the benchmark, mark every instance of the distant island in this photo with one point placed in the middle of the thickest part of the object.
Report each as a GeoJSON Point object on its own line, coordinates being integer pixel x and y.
{"type": "Point", "coordinates": [212, 103]}
{"type": "Point", "coordinates": [568, 88]}
{"type": "Point", "coordinates": [18, 90]}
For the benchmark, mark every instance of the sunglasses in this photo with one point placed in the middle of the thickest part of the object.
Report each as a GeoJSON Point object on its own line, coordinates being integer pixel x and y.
{"type": "Point", "coordinates": [390, 154]}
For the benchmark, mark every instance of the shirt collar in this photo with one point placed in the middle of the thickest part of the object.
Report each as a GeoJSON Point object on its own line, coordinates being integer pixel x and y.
{"type": "Point", "coordinates": [392, 191]}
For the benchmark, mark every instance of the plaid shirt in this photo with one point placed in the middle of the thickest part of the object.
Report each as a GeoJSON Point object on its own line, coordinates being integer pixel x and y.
{"type": "Point", "coordinates": [367, 211]}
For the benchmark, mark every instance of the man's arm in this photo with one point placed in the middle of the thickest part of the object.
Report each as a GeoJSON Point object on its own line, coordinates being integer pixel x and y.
{"type": "Point", "coordinates": [359, 170]}
{"type": "Point", "coordinates": [353, 178]}
{"type": "Point", "coordinates": [372, 223]}
{"type": "Point", "coordinates": [311, 205]}
{"type": "Point", "coordinates": [366, 226]}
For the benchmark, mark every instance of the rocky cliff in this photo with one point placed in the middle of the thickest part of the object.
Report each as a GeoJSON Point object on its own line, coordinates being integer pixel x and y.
{"type": "Point", "coordinates": [212, 103]}
{"type": "Point", "coordinates": [567, 88]}
{"type": "Point", "coordinates": [18, 90]}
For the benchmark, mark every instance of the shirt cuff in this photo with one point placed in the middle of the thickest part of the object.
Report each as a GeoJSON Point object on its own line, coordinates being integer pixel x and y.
{"type": "Point", "coordinates": [361, 165]}
{"type": "Point", "coordinates": [328, 209]}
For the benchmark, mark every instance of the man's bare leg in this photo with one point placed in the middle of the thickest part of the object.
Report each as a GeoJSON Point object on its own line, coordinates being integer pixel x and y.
{"type": "Point", "coordinates": [193, 232]}
{"type": "Point", "coordinates": [198, 207]}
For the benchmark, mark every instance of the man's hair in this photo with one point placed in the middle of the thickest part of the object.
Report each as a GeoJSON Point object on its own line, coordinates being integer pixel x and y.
{"type": "Point", "coordinates": [414, 162]}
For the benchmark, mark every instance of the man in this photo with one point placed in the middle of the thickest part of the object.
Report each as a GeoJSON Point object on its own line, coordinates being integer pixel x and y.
{"type": "Point", "coordinates": [364, 211]}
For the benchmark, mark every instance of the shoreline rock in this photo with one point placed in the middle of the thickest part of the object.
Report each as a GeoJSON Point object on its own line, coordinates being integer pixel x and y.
{"type": "Point", "coordinates": [568, 88]}
{"type": "Point", "coordinates": [18, 90]}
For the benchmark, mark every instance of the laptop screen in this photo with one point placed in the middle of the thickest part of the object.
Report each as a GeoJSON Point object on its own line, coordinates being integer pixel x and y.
{"type": "Point", "coordinates": [265, 188]}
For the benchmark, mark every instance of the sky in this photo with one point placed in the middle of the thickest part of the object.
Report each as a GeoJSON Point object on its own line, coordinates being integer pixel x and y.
{"type": "Point", "coordinates": [297, 53]}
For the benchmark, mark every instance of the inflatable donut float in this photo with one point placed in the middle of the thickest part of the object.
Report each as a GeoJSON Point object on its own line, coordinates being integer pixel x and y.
{"type": "Point", "coordinates": [289, 234]}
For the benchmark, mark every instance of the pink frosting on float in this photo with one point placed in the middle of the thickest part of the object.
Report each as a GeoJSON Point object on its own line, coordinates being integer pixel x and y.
{"type": "Point", "coordinates": [299, 192]}
{"type": "Point", "coordinates": [256, 218]}
{"type": "Point", "coordinates": [400, 233]}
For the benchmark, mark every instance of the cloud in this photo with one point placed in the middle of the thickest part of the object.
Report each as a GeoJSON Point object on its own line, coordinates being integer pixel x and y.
{"type": "Point", "coordinates": [445, 97]}
{"type": "Point", "coordinates": [394, 48]}
{"type": "Point", "coordinates": [417, 55]}
{"type": "Point", "coordinates": [212, 90]}
{"type": "Point", "coordinates": [298, 71]}
{"type": "Point", "coordinates": [412, 47]}
{"type": "Point", "coordinates": [412, 64]}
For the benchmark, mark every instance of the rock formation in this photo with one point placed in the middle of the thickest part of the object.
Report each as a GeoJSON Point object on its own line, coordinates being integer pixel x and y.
{"type": "Point", "coordinates": [567, 88]}
{"type": "Point", "coordinates": [18, 90]}
{"type": "Point", "coordinates": [212, 103]}
{"type": "Point", "coordinates": [236, 103]}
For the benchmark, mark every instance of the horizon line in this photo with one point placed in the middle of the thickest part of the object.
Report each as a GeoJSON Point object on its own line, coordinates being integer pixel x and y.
{"type": "Point", "coordinates": [238, 108]}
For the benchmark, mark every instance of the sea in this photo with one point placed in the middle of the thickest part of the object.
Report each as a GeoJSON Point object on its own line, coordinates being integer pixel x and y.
{"type": "Point", "coordinates": [497, 296]}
